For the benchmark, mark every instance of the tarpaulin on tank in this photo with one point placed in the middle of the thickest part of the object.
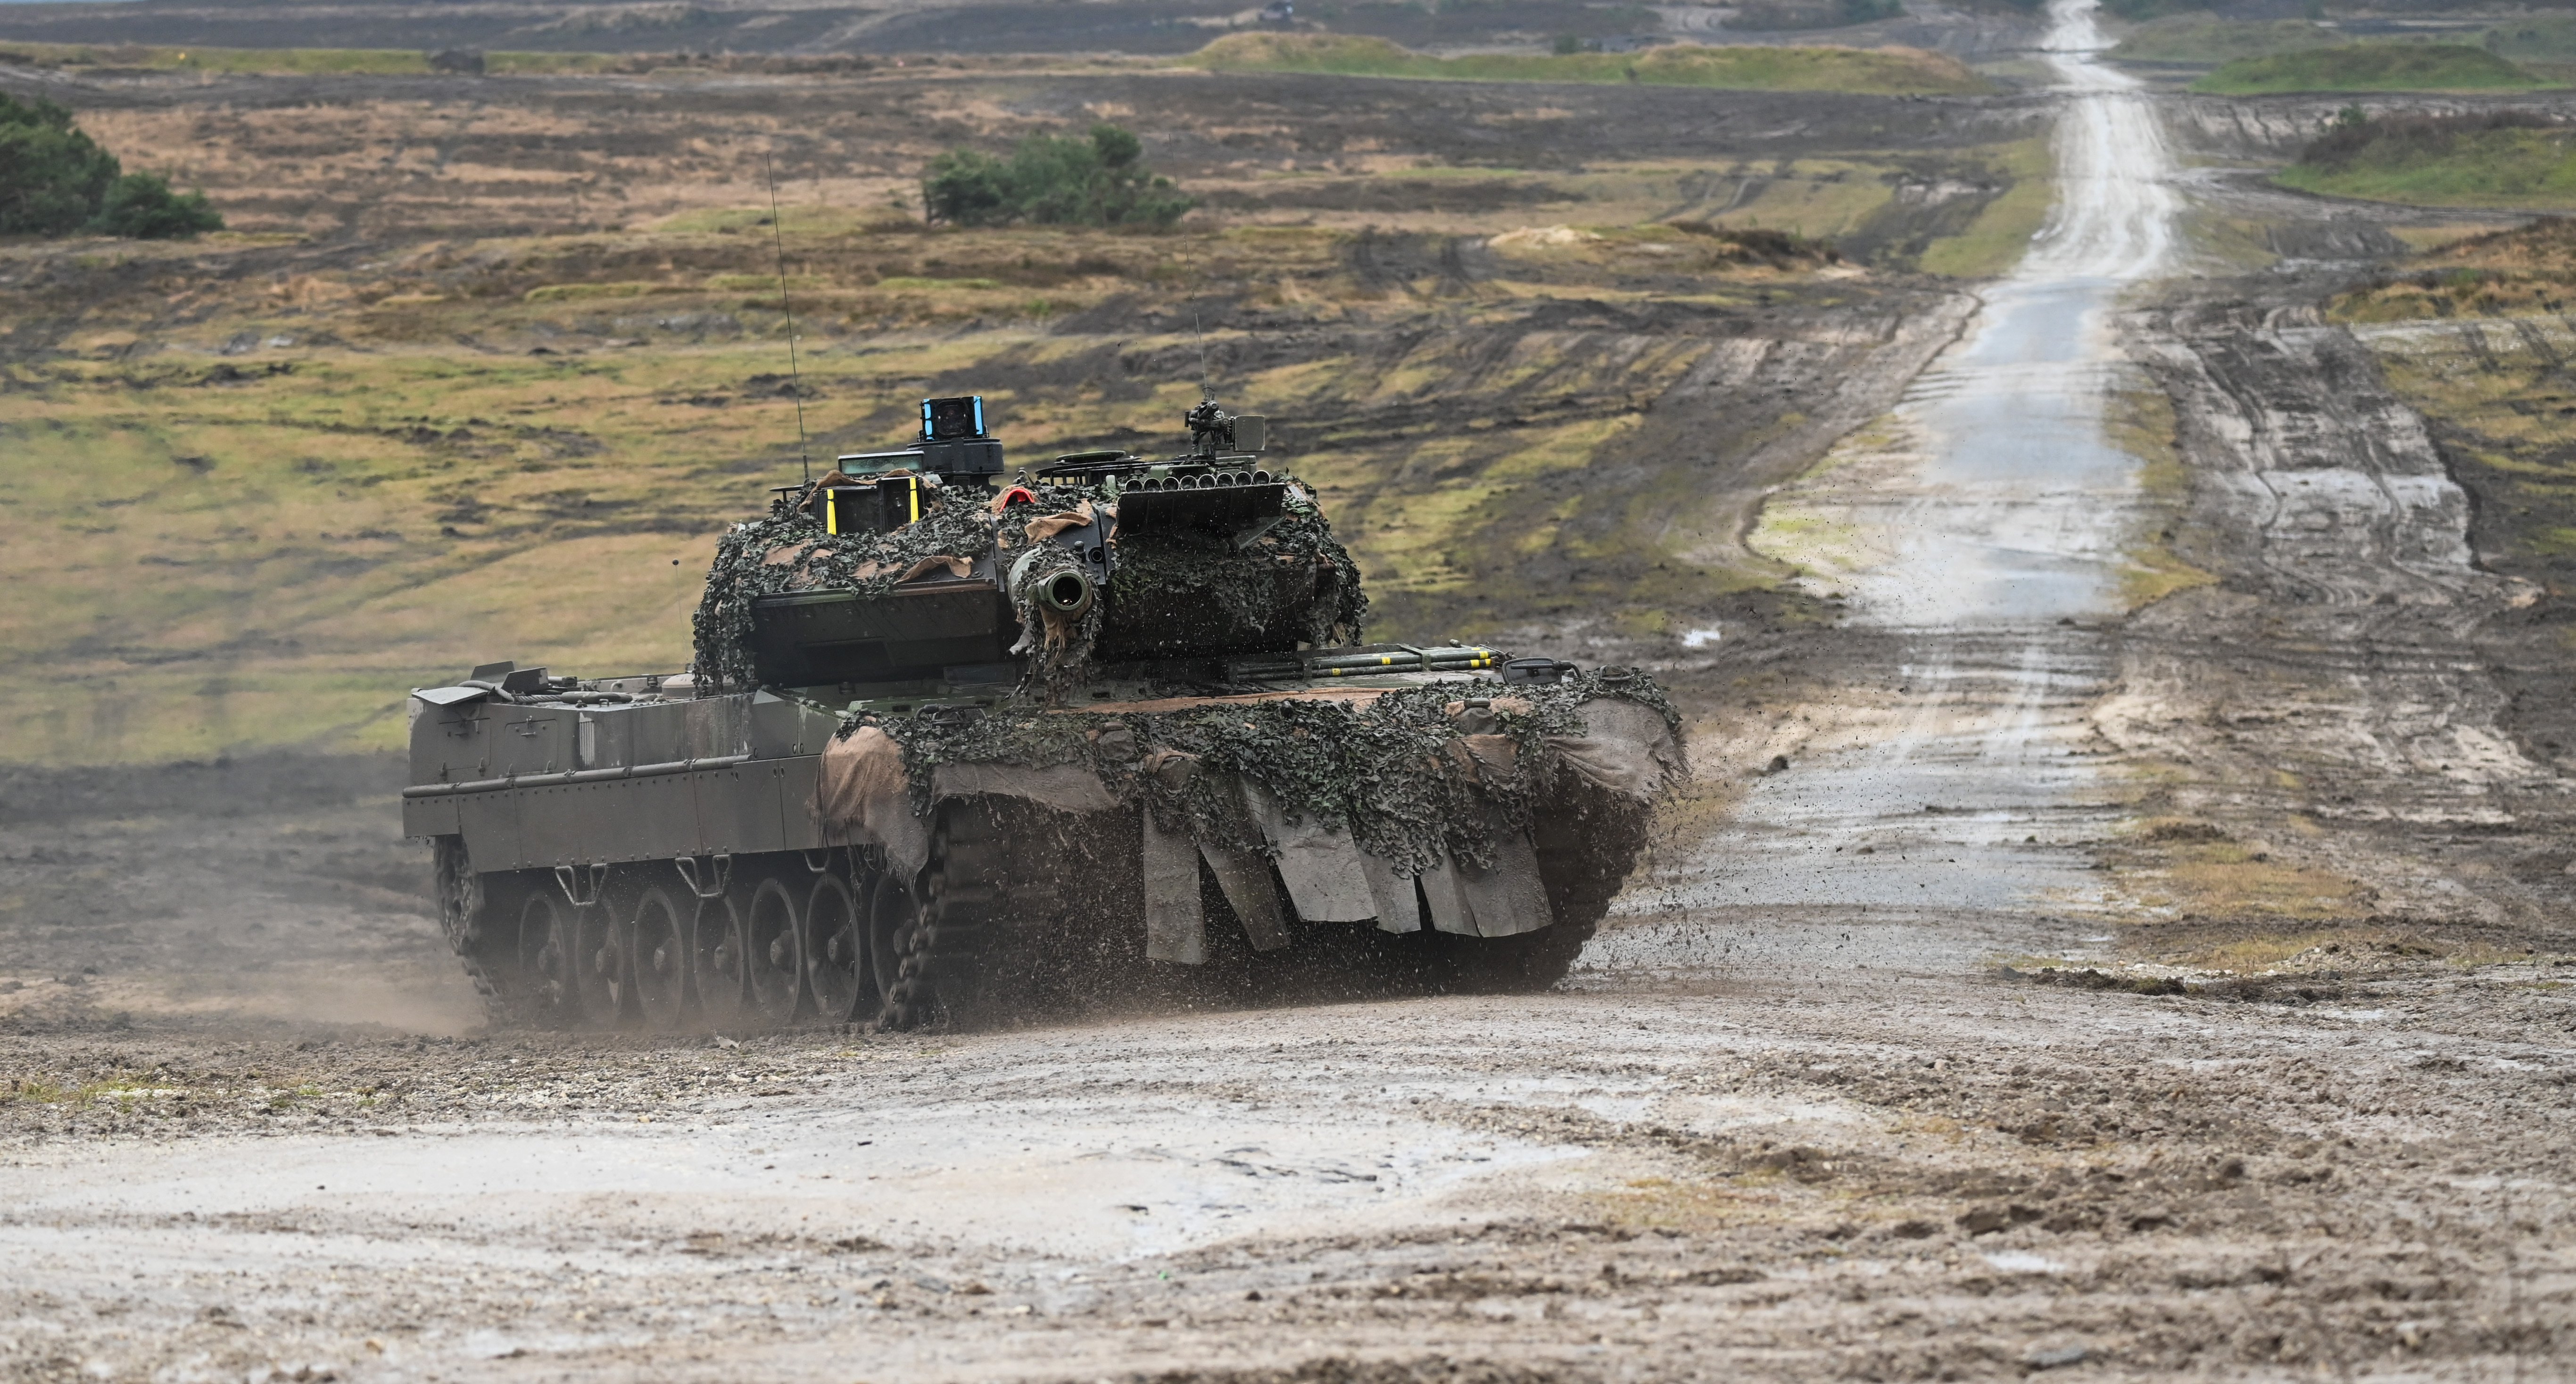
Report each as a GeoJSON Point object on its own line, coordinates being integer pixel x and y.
{"type": "Point", "coordinates": [1626, 747]}
{"type": "Point", "coordinates": [862, 798]}
{"type": "Point", "coordinates": [862, 794]}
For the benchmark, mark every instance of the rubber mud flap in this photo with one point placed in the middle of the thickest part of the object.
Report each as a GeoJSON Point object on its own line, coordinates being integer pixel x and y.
{"type": "Point", "coordinates": [1397, 908]}
{"type": "Point", "coordinates": [1319, 864]}
{"type": "Point", "coordinates": [1508, 899]}
{"type": "Point", "coordinates": [1245, 878]}
{"type": "Point", "coordinates": [1175, 925]}
{"type": "Point", "coordinates": [1450, 911]}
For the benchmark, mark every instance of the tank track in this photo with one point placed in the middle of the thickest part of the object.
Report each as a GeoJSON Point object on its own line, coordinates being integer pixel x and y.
{"type": "Point", "coordinates": [1019, 911]}
{"type": "Point", "coordinates": [964, 902]}
{"type": "Point", "coordinates": [461, 910]}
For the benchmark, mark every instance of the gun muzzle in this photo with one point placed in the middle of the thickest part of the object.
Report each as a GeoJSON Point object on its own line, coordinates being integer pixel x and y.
{"type": "Point", "coordinates": [1067, 593]}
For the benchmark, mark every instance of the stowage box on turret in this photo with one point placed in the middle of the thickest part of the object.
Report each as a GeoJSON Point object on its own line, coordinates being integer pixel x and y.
{"type": "Point", "coordinates": [960, 748]}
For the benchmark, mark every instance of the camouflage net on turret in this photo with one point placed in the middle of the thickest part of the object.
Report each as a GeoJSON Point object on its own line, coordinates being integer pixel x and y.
{"type": "Point", "coordinates": [1396, 771]}
{"type": "Point", "coordinates": [1228, 579]}
{"type": "Point", "coordinates": [790, 552]}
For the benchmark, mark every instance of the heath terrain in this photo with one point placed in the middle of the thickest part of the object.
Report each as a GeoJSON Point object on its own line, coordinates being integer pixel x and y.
{"type": "Point", "coordinates": [2119, 925]}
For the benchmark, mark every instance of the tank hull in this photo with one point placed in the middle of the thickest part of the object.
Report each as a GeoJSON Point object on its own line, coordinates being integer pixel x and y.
{"type": "Point", "coordinates": [751, 860]}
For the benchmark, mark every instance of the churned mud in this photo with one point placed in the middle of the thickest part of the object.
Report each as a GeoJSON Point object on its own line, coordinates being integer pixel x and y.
{"type": "Point", "coordinates": [1805, 1151]}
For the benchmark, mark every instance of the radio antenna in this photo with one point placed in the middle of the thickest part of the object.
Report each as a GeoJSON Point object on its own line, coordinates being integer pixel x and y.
{"type": "Point", "coordinates": [1200, 326]}
{"type": "Point", "coordinates": [795, 377]}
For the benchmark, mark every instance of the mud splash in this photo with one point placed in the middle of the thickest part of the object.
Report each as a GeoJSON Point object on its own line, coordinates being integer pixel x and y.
{"type": "Point", "coordinates": [1981, 524]}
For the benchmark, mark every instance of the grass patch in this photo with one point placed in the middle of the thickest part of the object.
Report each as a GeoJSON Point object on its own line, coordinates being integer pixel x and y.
{"type": "Point", "coordinates": [1698, 1205]}
{"type": "Point", "coordinates": [914, 281]}
{"type": "Point", "coordinates": [2509, 159]}
{"type": "Point", "coordinates": [2142, 423]}
{"type": "Point", "coordinates": [2228, 879]}
{"type": "Point", "coordinates": [1751, 67]}
{"type": "Point", "coordinates": [2369, 67]}
{"type": "Point", "coordinates": [571, 293]}
{"type": "Point", "coordinates": [2204, 40]}
{"type": "Point", "coordinates": [2001, 233]}
{"type": "Point", "coordinates": [87, 1093]}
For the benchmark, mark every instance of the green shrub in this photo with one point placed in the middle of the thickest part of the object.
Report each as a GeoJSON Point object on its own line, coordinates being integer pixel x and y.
{"type": "Point", "coordinates": [1052, 180]}
{"type": "Point", "coordinates": [52, 176]}
{"type": "Point", "coordinates": [141, 206]}
{"type": "Point", "coordinates": [55, 180]}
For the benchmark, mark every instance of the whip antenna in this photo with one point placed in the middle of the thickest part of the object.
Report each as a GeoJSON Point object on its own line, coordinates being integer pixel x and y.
{"type": "Point", "coordinates": [1199, 326]}
{"type": "Point", "coordinates": [795, 377]}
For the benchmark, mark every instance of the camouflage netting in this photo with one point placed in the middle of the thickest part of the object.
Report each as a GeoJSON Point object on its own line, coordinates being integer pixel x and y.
{"type": "Point", "coordinates": [789, 551]}
{"type": "Point", "coordinates": [1193, 594]}
{"type": "Point", "coordinates": [1237, 586]}
{"type": "Point", "coordinates": [1398, 771]}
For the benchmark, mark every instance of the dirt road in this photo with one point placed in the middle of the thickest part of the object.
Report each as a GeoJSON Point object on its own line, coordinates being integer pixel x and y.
{"type": "Point", "coordinates": [1793, 1118]}
{"type": "Point", "coordinates": [1979, 530]}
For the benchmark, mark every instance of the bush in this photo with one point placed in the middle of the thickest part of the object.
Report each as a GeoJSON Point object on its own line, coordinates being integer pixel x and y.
{"type": "Point", "coordinates": [1055, 181]}
{"type": "Point", "coordinates": [55, 180]}
{"type": "Point", "coordinates": [141, 206]}
{"type": "Point", "coordinates": [52, 177]}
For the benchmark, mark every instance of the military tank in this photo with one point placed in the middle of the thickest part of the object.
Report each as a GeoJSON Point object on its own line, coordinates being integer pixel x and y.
{"type": "Point", "coordinates": [961, 745]}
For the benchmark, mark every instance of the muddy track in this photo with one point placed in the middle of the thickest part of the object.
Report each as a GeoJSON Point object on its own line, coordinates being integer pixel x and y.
{"type": "Point", "coordinates": [2343, 669]}
{"type": "Point", "coordinates": [1828, 1166]}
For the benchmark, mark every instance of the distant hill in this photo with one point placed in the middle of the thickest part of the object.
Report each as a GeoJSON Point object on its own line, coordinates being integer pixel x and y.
{"type": "Point", "coordinates": [802, 27]}
{"type": "Point", "coordinates": [2369, 67]}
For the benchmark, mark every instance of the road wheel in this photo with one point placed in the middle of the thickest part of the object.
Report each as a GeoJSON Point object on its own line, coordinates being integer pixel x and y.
{"type": "Point", "coordinates": [716, 959]}
{"type": "Point", "coordinates": [892, 915]}
{"type": "Point", "coordinates": [835, 949]}
{"type": "Point", "coordinates": [545, 958]}
{"type": "Point", "coordinates": [658, 941]}
{"type": "Point", "coordinates": [772, 959]}
{"type": "Point", "coordinates": [601, 980]}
